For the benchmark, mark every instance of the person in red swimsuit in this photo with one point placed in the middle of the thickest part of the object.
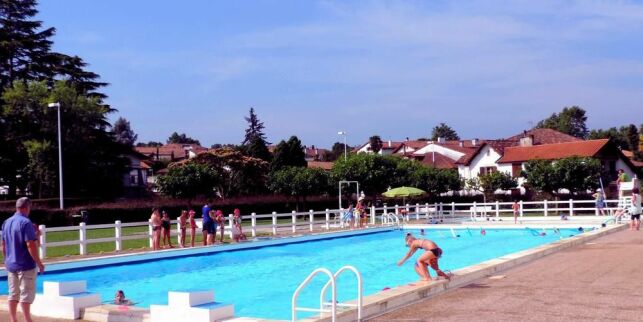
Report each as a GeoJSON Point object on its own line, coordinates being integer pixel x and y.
{"type": "Point", "coordinates": [429, 258]}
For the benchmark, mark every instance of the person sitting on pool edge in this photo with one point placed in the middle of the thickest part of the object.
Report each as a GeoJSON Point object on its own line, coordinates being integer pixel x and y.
{"type": "Point", "coordinates": [429, 258]}
{"type": "Point", "coordinates": [119, 298]}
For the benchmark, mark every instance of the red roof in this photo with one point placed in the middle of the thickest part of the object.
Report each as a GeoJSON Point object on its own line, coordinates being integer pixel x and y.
{"type": "Point", "coordinates": [320, 165]}
{"type": "Point", "coordinates": [174, 150]}
{"type": "Point", "coordinates": [439, 161]}
{"type": "Point", "coordinates": [553, 151]}
{"type": "Point", "coordinates": [545, 136]}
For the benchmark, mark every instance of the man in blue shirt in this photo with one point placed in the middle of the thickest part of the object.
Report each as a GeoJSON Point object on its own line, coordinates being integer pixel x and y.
{"type": "Point", "coordinates": [207, 222]}
{"type": "Point", "coordinates": [20, 250]}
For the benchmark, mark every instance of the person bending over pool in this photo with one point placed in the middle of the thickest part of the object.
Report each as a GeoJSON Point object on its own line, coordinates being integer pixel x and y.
{"type": "Point", "coordinates": [429, 258]}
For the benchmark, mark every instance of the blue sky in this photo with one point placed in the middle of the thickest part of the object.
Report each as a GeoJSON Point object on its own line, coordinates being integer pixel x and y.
{"type": "Point", "coordinates": [394, 68]}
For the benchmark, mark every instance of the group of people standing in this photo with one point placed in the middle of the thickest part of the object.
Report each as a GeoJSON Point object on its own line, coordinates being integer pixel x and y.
{"type": "Point", "coordinates": [212, 220]}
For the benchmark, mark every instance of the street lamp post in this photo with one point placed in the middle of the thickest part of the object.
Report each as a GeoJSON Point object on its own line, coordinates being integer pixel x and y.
{"type": "Point", "coordinates": [60, 158]}
{"type": "Point", "coordinates": [345, 149]}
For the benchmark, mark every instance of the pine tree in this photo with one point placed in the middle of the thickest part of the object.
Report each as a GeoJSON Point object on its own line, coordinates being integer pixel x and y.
{"type": "Point", "coordinates": [123, 132]}
{"type": "Point", "coordinates": [24, 49]}
{"type": "Point", "coordinates": [444, 131]}
{"type": "Point", "coordinates": [254, 143]}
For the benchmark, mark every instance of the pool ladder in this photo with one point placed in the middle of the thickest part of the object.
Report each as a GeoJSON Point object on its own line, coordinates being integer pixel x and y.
{"type": "Point", "coordinates": [329, 307]}
{"type": "Point", "coordinates": [390, 219]}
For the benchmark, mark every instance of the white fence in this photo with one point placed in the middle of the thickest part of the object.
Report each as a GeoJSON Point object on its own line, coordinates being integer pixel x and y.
{"type": "Point", "coordinates": [300, 222]}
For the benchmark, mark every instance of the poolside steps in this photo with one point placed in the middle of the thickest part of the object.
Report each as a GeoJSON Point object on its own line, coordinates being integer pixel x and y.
{"type": "Point", "coordinates": [64, 300]}
{"type": "Point", "coordinates": [199, 306]}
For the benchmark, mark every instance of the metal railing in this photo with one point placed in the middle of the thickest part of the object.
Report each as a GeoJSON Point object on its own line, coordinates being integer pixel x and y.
{"type": "Point", "coordinates": [333, 304]}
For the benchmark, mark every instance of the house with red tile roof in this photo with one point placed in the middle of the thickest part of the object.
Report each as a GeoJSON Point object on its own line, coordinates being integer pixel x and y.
{"type": "Point", "coordinates": [171, 152]}
{"type": "Point", "coordinates": [388, 147]}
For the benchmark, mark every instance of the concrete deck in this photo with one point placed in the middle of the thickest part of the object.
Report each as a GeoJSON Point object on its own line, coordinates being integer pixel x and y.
{"type": "Point", "coordinates": [598, 281]}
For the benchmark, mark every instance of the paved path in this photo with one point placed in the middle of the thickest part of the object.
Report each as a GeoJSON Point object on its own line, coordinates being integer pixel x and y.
{"type": "Point", "coordinates": [598, 281]}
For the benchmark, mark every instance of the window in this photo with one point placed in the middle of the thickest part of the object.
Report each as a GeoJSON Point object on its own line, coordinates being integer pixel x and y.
{"type": "Point", "coordinates": [132, 180]}
{"type": "Point", "coordinates": [516, 168]}
{"type": "Point", "coordinates": [487, 170]}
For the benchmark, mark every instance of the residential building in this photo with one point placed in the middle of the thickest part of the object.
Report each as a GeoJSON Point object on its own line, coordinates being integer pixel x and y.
{"type": "Point", "coordinates": [171, 152]}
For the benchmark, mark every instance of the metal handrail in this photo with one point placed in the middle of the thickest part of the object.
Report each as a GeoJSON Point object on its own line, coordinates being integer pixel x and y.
{"type": "Point", "coordinates": [390, 216]}
{"type": "Point", "coordinates": [359, 291]}
{"type": "Point", "coordinates": [333, 306]}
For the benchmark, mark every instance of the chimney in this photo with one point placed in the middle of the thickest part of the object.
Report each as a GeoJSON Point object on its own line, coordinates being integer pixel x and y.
{"type": "Point", "coordinates": [527, 140]}
{"type": "Point", "coordinates": [389, 143]}
{"type": "Point", "coordinates": [442, 140]}
{"type": "Point", "coordinates": [461, 144]}
{"type": "Point", "coordinates": [474, 142]}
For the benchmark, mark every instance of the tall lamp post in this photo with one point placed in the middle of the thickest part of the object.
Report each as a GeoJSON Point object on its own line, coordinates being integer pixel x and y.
{"type": "Point", "coordinates": [345, 150]}
{"type": "Point", "coordinates": [60, 157]}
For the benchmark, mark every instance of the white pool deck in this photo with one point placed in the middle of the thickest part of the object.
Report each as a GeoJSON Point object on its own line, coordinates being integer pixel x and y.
{"type": "Point", "coordinates": [375, 304]}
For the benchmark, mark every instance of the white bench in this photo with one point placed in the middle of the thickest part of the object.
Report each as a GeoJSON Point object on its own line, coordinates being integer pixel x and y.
{"type": "Point", "coordinates": [479, 211]}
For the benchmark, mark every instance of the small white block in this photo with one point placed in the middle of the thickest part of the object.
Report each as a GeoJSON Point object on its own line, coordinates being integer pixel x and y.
{"type": "Point", "coordinates": [189, 299]}
{"type": "Point", "coordinates": [64, 288]}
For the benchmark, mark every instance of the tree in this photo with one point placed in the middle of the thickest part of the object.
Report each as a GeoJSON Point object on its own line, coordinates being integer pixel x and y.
{"type": "Point", "coordinates": [289, 154]}
{"type": "Point", "coordinates": [25, 52]}
{"type": "Point", "coordinates": [254, 144]}
{"type": "Point", "coordinates": [24, 45]}
{"type": "Point", "coordinates": [299, 182]}
{"type": "Point", "coordinates": [181, 139]}
{"type": "Point", "coordinates": [444, 131]}
{"type": "Point", "coordinates": [123, 132]}
{"type": "Point", "coordinates": [42, 176]}
{"type": "Point", "coordinates": [613, 134]}
{"type": "Point", "coordinates": [496, 180]}
{"type": "Point", "coordinates": [575, 174]}
{"type": "Point", "coordinates": [149, 144]}
{"type": "Point", "coordinates": [432, 180]}
{"type": "Point", "coordinates": [570, 120]}
{"type": "Point", "coordinates": [89, 171]}
{"type": "Point", "coordinates": [376, 143]}
{"type": "Point", "coordinates": [189, 180]}
{"type": "Point", "coordinates": [632, 135]}
{"type": "Point", "coordinates": [338, 151]}
{"type": "Point", "coordinates": [240, 174]}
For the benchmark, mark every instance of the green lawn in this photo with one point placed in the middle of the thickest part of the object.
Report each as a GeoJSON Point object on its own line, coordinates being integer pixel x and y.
{"type": "Point", "coordinates": [106, 247]}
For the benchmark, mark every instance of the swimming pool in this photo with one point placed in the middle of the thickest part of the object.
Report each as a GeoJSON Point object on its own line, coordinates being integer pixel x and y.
{"type": "Point", "coordinates": [260, 281]}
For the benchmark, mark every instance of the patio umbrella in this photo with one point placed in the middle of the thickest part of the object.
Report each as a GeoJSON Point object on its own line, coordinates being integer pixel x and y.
{"type": "Point", "coordinates": [404, 192]}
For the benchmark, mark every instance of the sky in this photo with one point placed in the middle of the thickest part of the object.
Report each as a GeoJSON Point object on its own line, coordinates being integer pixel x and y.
{"type": "Point", "coordinates": [489, 69]}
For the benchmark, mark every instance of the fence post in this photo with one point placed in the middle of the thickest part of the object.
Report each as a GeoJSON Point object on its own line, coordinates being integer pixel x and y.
{"type": "Point", "coordinates": [373, 215]}
{"type": "Point", "coordinates": [407, 216]}
{"type": "Point", "coordinates": [385, 210]}
{"type": "Point", "coordinates": [522, 208]}
{"type": "Point", "coordinates": [545, 207]}
{"type": "Point", "coordinates": [294, 221]}
{"type": "Point", "coordinates": [417, 211]}
{"type": "Point", "coordinates": [274, 223]}
{"type": "Point", "coordinates": [253, 224]}
{"type": "Point", "coordinates": [474, 213]}
{"type": "Point", "coordinates": [150, 232]}
{"type": "Point", "coordinates": [43, 241]}
{"type": "Point", "coordinates": [83, 238]}
{"type": "Point", "coordinates": [178, 230]}
{"type": "Point", "coordinates": [311, 217]}
{"type": "Point", "coordinates": [118, 234]}
{"type": "Point", "coordinates": [452, 209]}
{"type": "Point", "coordinates": [327, 219]}
{"type": "Point", "coordinates": [497, 208]}
{"type": "Point", "coordinates": [571, 207]}
{"type": "Point", "coordinates": [230, 220]}
{"type": "Point", "coordinates": [397, 210]}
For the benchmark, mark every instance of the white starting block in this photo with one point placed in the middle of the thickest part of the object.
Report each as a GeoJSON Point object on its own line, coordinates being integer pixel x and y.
{"type": "Point", "coordinates": [199, 306]}
{"type": "Point", "coordinates": [64, 300]}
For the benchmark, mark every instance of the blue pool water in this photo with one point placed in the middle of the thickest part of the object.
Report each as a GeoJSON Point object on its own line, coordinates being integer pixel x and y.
{"type": "Point", "coordinates": [260, 282]}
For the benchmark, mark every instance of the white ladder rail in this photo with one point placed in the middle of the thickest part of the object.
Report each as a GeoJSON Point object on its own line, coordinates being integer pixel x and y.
{"type": "Point", "coordinates": [359, 304]}
{"type": "Point", "coordinates": [333, 306]}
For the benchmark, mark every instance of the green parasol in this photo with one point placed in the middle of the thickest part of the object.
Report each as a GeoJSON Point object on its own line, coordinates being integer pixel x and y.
{"type": "Point", "coordinates": [404, 192]}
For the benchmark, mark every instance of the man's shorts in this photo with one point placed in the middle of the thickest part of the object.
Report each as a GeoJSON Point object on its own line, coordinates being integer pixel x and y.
{"type": "Point", "coordinates": [210, 227]}
{"type": "Point", "coordinates": [22, 286]}
{"type": "Point", "coordinates": [636, 217]}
